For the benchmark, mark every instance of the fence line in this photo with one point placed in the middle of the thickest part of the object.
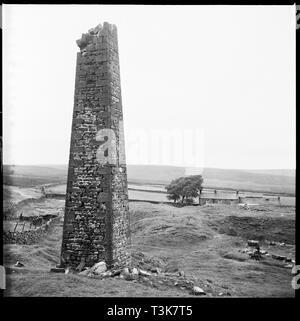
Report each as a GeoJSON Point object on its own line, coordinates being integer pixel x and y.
{"type": "Point", "coordinates": [152, 246]}
{"type": "Point", "coordinates": [30, 226]}
{"type": "Point", "coordinates": [15, 227]}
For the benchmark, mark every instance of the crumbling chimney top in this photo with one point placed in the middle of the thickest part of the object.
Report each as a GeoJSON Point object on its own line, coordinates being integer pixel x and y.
{"type": "Point", "coordinates": [97, 31]}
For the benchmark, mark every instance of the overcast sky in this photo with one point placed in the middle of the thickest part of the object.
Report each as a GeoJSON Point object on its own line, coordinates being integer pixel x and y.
{"type": "Point", "coordinates": [225, 75]}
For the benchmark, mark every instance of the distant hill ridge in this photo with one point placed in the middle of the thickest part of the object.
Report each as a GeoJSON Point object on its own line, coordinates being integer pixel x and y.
{"type": "Point", "coordinates": [275, 180]}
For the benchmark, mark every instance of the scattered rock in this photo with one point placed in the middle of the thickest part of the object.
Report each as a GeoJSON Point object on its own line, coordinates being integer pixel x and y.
{"type": "Point", "coordinates": [19, 264]}
{"type": "Point", "coordinates": [145, 273]}
{"type": "Point", "coordinates": [181, 273]}
{"type": "Point", "coordinates": [135, 271]}
{"type": "Point", "coordinates": [158, 270]}
{"type": "Point", "coordinates": [247, 251]}
{"type": "Point", "coordinates": [69, 270]}
{"type": "Point", "coordinates": [99, 268]}
{"type": "Point", "coordinates": [198, 291]}
{"type": "Point", "coordinates": [106, 274]}
{"type": "Point", "coordinates": [126, 270]}
{"type": "Point", "coordinates": [224, 294]}
{"type": "Point", "coordinates": [289, 266]}
{"type": "Point", "coordinates": [126, 275]}
{"type": "Point", "coordinates": [277, 243]}
{"type": "Point", "coordinates": [85, 272]}
{"type": "Point", "coordinates": [116, 272]}
{"type": "Point", "coordinates": [279, 257]}
{"type": "Point", "coordinates": [135, 274]}
{"type": "Point", "coordinates": [57, 270]}
{"type": "Point", "coordinates": [171, 274]}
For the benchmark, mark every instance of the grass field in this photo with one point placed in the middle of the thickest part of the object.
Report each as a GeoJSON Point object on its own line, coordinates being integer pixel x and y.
{"type": "Point", "coordinates": [205, 242]}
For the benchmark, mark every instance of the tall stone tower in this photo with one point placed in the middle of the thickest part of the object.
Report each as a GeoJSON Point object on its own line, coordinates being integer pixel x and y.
{"type": "Point", "coordinates": [96, 222]}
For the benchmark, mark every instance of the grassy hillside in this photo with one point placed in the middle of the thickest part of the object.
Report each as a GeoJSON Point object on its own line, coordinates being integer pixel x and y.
{"type": "Point", "coordinates": [276, 181]}
{"type": "Point", "coordinates": [263, 180]}
{"type": "Point", "coordinates": [280, 172]}
{"type": "Point", "coordinates": [26, 175]}
{"type": "Point", "coordinates": [204, 242]}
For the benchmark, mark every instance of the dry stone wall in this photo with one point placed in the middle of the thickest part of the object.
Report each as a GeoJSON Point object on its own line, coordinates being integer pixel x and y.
{"type": "Point", "coordinates": [96, 224]}
{"type": "Point", "coordinates": [30, 236]}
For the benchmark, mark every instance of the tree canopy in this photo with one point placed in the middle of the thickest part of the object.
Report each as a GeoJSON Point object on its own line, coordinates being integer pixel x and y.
{"type": "Point", "coordinates": [185, 189]}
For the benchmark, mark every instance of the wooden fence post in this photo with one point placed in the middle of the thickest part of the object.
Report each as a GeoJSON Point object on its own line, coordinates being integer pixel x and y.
{"type": "Point", "coordinates": [16, 226]}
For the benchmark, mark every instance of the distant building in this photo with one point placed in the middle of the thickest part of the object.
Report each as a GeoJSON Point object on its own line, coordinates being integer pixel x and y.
{"type": "Point", "coordinates": [218, 197]}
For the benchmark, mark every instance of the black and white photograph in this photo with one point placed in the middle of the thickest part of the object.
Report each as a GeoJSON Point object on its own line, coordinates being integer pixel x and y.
{"type": "Point", "coordinates": [149, 151]}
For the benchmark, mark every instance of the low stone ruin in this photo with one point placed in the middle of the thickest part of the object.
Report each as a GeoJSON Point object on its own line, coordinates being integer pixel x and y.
{"type": "Point", "coordinates": [30, 236]}
{"type": "Point", "coordinates": [255, 252]}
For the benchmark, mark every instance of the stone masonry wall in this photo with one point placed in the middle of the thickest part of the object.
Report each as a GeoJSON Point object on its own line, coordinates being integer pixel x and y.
{"type": "Point", "coordinates": [29, 236]}
{"type": "Point", "coordinates": [96, 224]}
